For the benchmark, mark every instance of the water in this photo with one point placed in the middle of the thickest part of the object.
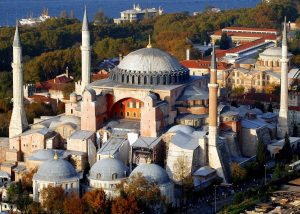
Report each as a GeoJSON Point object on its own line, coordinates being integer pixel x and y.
{"type": "Point", "coordinates": [10, 10]}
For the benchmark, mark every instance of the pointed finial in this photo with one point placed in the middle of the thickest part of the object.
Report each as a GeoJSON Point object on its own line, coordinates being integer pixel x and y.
{"type": "Point", "coordinates": [55, 155]}
{"type": "Point", "coordinates": [149, 43]}
{"type": "Point", "coordinates": [149, 161]}
{"type": "Point", "coordinates": [85, 22]}
{"type": "Point", "coordinates": [213, 59]}
{"type": "Point", "coordinates": [17, 42]}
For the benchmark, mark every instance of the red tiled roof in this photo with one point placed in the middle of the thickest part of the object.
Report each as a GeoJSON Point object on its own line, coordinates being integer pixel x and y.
{"type": "Point", "coordinates": [203, 64]}
{"type": "Point", "coordinates": [250, 29]}
{"type": "Point", "coordinates": [41, 99]}
{"type": "Point", "coordinates": [49, 84]}
{"type": "Point", "coordinates": [100, 75]}
{"type": "Point", "coordinates": [240, 48]}
{"type": "Point", "coordinates": [251, 35]}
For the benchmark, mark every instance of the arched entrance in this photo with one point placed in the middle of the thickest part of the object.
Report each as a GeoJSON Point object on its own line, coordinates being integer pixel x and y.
{"type": "Point", "coordinates": [128, 108]}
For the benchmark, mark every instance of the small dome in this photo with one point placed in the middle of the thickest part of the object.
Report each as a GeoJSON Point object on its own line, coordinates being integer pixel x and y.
{"type": "Point", "coordinates": [152, 172]}
{"type": "Point", "coordinates": [273, 52]}
{"type": "Point", "coordinates": [46, 154]}
{"type": "Point", "coordinates": [183, 128]}
{"type": "Point", "coordinates": [56, 171]}
{"type": "Point", "coordinates": [73, 94]}
{"type": "Point", "coordinates": [149, 66]}
{"type": "Point", "coordinates": [104, 169]}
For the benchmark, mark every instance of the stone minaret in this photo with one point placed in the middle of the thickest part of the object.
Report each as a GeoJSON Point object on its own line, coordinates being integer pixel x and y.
{"type": "Point", "coordinates": [282, 127]}
{"type": "Point", "coordinates": [85, 53]}
{"type": "Point", "coordinates": [213, 136]}
{"type": "Point", "coordinates": [18, 121]}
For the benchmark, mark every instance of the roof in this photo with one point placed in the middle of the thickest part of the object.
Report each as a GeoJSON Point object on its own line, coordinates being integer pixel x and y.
{"type": "Point", "coordinates": [204, 171]}
{"type": "Point", "coordinates": [252, 124]}
{"type": "Point", "coordinates": [112, 145]}
{"type": "Point", "coordinates": [106, 168]}
{"type": "Point", "coordinates": [187, 141]}
{"type": "Point", "coordinates": [251, 29]}
{"type": "Point", "coordinates": [4, 174]}
{"type": "Point", "coordinates": [193, 92]}
{"type": "Point", "coordinates": [152, 172]}
{"type": "Point", "coordinates": [46, 154]}
{"type": "Point", "coordinates": [146, 142]}
{"type": "Point", "coordinates": [148, 60]}
{"type": "Point", "coordinates": [182, 128]}
{"type": "Point", "coordinates": [54, 84]}
{"type": "Point", "coordinates": [81, 135]}
{"type": "Point", "coordinates": [58, 170]}
{"type": "Point", "coordinates": [204, 64]}
{"type": "Point", "coordinates": [41, 99]}
{"type": "Point", "coordinates": [42, 131]}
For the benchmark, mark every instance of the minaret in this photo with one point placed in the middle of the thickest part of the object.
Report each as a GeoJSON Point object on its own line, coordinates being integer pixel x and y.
{"type": "Point", "coordinates": [85, 53]}
{"type": "Point", "coordinates": [282, 127]}
{"type": "Point", "coordinates": [18, 121]}
{"type": "Point", "coordinates": [214, 156]}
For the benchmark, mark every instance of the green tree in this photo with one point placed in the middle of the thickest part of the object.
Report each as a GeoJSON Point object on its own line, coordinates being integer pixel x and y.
{"type": "Point", "coordinates": [225, 42]}
{"type": "Point", "coordinates": [261, 153]}
{"type": "Point", "coordinates": [285, 155]}
{"type": "Point", "coordinates": [238, 173]}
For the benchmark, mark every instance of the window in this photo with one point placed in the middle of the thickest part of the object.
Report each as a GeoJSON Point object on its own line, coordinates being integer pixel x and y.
{"type": "Point", "coordinates": [114, 176]}
{"type": "Point", "coordinates": [121, 105]}
{"type": "Point", "coordinates": [66, 186]}
{"type": "Point", "coordinates": [127, 114]}
{"type": "Point", "coordinates": [115, 113]}
{"type": "Point", "coordinates": [128, 104]}
{"type": "Point", "coordinates": [121, 113]}
{"type": "Point", "coordinates": [71, 111]}
{"type": "Point", "coordinates": [98, 176]}
{"type": "Point", "coordinates": [134, 114]}
{"type": "Point", "coordinates": [134, 104]}
{"type": "Point", "coordinates": [71, 185]}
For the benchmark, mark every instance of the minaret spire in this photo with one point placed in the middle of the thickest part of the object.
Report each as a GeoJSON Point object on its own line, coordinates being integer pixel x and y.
{"type": "Point", "coordinates": [282, 127]}
{"type": "Point", "coordinates": [18, 121]}
{"type": "Point", "coordinates": [214, 153]}
{"type": "Point", "coordinates": [85, 53]}
{"type": "Point", "coordinates": [149, 42]}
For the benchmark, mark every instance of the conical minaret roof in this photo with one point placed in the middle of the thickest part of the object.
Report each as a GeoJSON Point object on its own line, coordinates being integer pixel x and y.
{"type": "Point", "coordinates": [213, 59]}
{"type": "Point", "coordinates": [17, 42]}
{"type": "Point", "coordinates": [85, 22]}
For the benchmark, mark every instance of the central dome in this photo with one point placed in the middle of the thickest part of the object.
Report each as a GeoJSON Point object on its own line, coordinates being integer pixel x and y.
{"type": "Point", "coordinates": [148, 60]}
{"type": "Point", "coordinates": [149, 66]}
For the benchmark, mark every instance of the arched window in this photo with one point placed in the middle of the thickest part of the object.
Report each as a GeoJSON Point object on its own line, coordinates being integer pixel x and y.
{"type": "Point", "coordinates": [134, 114]}
{"type": "Point", "coordinates": [114, 176]}
{"type": "Point", "coordinates": [98, 175]}
{"type": "Point", "coordinates": [145, 80]}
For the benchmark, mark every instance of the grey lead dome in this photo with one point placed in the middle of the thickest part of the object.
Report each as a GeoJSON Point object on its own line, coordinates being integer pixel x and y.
{"type": "Point", "coordinates": [106, 168]}
{"type": "Point", "coordinates": [149, 66]}
{"type": "Point", "coordinates": [56, 171]}
{"type": "Point", "coordinates": [152, 172]}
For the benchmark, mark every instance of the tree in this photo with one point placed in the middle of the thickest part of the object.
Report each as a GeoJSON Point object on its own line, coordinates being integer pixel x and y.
{"type": "Point", "coordinates": [261, 153]}
{"type": "Point", "coordinates": [95, 202]}
{"type": "Point", "coordinates": [125, 205]}
{"type": "Point", "coordinates": [238, 90]}
{"type": "Point", "coordinates": [73, 204]}
{"type": "Point", "coordinates": [225, 42]}
{"type": "Point", "coordinates": [238, 173]}
{"type": "Point", "coordinates": [53, 199]}
{"type": "Point", "coordinates": [285, 155]}
{"type": "Point", "coordinates": [295, 130]}
{"type": "Point", "coordinates": [270, 107]}
{"type": "Point", "coordinates": [146, 192]}
{"type": "Point", "coordinates": [27, 179]}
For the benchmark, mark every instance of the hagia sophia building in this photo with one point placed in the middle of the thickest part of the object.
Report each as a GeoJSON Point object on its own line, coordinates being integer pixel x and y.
{"type": "Point", "coordinates": [146, 117]}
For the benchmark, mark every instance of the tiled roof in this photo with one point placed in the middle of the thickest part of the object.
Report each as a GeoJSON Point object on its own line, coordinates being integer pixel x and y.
{"type": "Point", "coordinates": [250, 29]}
{"type": "Point", "coordinates": [203, 64]}
{"type": "Point", "coordinates": [49, 84]}
{"type": "Point", "coordinates": [41, 99]}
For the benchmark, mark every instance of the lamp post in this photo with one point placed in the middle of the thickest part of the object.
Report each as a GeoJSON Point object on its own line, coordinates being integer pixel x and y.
{"type": "Point", "coordinates": [215, 198]}
{"type": "Point", "coordinates": [265, 174]}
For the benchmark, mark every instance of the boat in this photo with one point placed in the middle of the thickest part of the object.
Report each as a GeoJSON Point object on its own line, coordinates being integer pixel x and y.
{"type": "Point", "coordinates": [33, 21]}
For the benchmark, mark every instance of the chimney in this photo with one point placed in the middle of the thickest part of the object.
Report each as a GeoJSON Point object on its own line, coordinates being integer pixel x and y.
{"type": "Point", "coordinates": [188, 54]}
